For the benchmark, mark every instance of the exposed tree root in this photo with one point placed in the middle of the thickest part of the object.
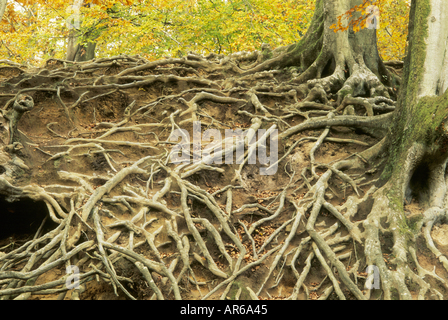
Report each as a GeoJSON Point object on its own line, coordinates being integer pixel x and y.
{"type": "Point", "coordinates": [195, 230]}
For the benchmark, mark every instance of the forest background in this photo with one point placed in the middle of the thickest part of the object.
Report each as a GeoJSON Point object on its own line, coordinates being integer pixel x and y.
{"type": "Point", "coordinates": [34, 31]}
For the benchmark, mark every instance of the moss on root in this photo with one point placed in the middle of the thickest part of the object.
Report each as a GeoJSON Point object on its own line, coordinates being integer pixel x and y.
{"type": "Point", "coordinates": [414, 120]}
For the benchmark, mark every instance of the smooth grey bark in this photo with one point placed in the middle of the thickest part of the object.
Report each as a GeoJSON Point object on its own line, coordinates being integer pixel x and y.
{"type": "Point", "coordinates": [435, 77]}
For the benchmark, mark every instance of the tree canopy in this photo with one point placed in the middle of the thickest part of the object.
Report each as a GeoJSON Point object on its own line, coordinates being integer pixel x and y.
{"type": "Point", "coordinates": [33, 31]}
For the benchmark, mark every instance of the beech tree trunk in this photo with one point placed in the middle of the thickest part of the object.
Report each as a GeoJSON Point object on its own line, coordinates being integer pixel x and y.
{"type": "Point", "coordinates": [418, 145]}
{"type": "Point", "coordinates": [85, 52]}
{"type": "Point", "coordinates": [72, 24]}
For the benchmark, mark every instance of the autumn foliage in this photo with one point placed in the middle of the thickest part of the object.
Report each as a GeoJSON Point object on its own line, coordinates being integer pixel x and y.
{"type": "Point", "coordinates": [33, 31]}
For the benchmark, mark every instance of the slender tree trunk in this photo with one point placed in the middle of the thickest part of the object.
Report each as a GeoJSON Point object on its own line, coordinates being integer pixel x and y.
{"type": "Point", "coordinates": [75, 50]}
{"type": "Point", "coordinates": [73, 23]}
{"type": "Point", "coordinates": [2, 8]}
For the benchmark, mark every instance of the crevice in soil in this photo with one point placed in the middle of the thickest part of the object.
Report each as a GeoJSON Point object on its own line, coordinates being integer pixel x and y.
{"type": "Point", "coordinates": [21, 219]}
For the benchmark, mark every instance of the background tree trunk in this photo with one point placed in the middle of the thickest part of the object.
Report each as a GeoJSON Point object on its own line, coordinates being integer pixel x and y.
{"type": "Point", "coordinates": [2, 8]}
{"type": "Point", "coordinates": [73, 24]}
{"type": "Point", "coordinates": [76, 51]}
{"type": "Point", "coordinates": [417, 143]}
{"type": "Point", "coordinates": [85, 53]}
{"type": "Point", "coordinates": [344, 62]}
